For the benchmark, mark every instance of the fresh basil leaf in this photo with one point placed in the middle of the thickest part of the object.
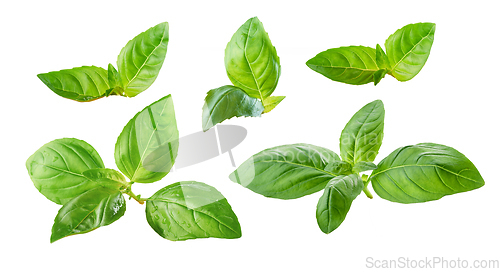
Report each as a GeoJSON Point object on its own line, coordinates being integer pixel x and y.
{"type": "Point", "coordinates": [93, 209]}
{"type": "Point", "coordinates": [408, 49]}
{"type": "Point", "coordinates": [105, 177]}
{"type": "Point", "coordinates": [362, 136]}
{"type": "Point", "coordinates": [82, 84]}
{"type": "Point", "coordinates": [252, 63]}
{"type": "Point", "coordinates": [424, 172]}
{"type": "Point", "coordinates": [141, 59]}
{"type": "Point", "coordinates": [381, 58]}
{"type": "Point", "coordinates": [377, 76]}
{"type": "Point", "coordinates": [190, 210]}
{"type": "Point", "coordinates": [271, 102]}
{"type": "Point", "coordinates": [56, 168]}
{"type": "Point", "coordinates": [113, 76]}
{"type": "Point", "coordinates": [363, 166]}
{"type": "Point", "coordinates": [336, 201]}
{"type": "Point", "coordinates": [287, 171]}
{"type": "Point", "coordinates": [147, 147]}
{"type": "Point", "coordinates": [339, 168]}
{"type": "Point", "coordinates": [227, 102]}
{"type": "Point", "coordinates": [352, 65]}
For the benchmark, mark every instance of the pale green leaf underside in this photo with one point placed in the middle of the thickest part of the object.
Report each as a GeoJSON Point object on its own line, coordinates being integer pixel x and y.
{"type": "Point", "coordinates": [336, 201]}
{"type": "Point", "coordinates": [286, 172]}
{"type": "Point", "coordinates": [190, 210]}
{"type": "Point", "coordinates": [93, 209]}
{"type": "Point", "coordinates": [141, 59]}
{"type": "Point", "coordinates": [271, 102]}
{"type": "Point", "coordinates": [56, 168]}
{"type": "Point", "coordinates": [227, 102]}
{"type": "Point", "coordinates": [424, 172]}
{"type": "Point", "coordinates": [251, 61]}
{"type": "Point", "coordinates": [408, 49]}
{"type": "Point", "coordinates": [362, 136]}
{"type": "Point", "coordinates": [147, 147]}
{"type": "Point", "coordinates": [82, 84]}
{"type": "Point", "coordinates": [352, 65]}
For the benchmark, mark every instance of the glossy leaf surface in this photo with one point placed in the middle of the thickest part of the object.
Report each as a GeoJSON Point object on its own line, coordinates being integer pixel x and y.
{"type": "Point", "coordinates": [252, 63]}
{"type": "Point", "coordinates": [141, 59]}
{"type": "Point", "coordinates": [424, 172]}
{"type": "Point", "coordinates": [362, 136]}
{"type": "Point", "coordinates": [105, 177]}
{"type": "Point", "coordinates": [352, 65]}
{"type": "Point", "coordinates": [408, 49]}
{"type": "Point", "coordinates": [227, 102]}
{"type": "Point", "coordinates": [190, 210]}
{"type": "Point", "coordinates": [336, 201]}
{"type": "Point", "coordinates": [82, 84]}
{"type": "Point", "coordinates": [147, 147]}
{"type": "Point", "coordinates": [56, 168]}
{"type": "Point", "coordinates": [287, 171]}
{"type": "Point", "coordinates": [93, 209]}
{"type": "Point", "coordinates": [271, 102]}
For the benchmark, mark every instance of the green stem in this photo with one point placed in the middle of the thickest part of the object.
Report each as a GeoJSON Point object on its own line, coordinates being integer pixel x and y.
{"type": "Point", "coordinates": [367, 192]}
{"type": "Point", "coordinates": [137, 198]}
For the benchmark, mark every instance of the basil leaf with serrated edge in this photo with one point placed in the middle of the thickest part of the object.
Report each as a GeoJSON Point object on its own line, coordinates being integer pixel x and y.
{"type": "Point", "coordinates": [93, 209]}
{"type": "Point", "coordinates": [362, 136]}
{"type": "Point", "coordinates": [408, 49]}
{"type": "Point", "coordinates": [227, 102]}
{"type": "Point", "coordinates": [352, 65]}
{"type": "Point", "coordinates": [84, 83]}
{"type": "Point", "coordinates": [336, 201]}
{"type": "Point", "coordinates": [251, 61]}
{"type": "Point", "coordinates": [147, 147]}
{"type": "Point", "coordinates": [140, 61]}
{"type": "Point", "coordinates": [56, 168]}
{"type": "Point", "coordinates": [424, 172]}
{"type": "Point", "coordinates": [287, 171]}
{"type": "Point", "coordinates": [188, 210]}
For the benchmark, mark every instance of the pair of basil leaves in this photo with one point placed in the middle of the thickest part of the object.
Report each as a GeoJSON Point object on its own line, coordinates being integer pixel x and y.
{"type": "Point", "coordinates": [139, 63]}
{"type": "Point", "coordinates": [253, 67]}
{"type": "Point", "coordinates": [71, 173]}
{"type": "Point", "coordinates": [410, 174]}
{"type": "Point", "coordinates": [407, 51]}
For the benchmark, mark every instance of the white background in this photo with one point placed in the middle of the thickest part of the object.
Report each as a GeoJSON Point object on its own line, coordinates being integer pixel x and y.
{"type": "Point", "coordinates": [453, 101]}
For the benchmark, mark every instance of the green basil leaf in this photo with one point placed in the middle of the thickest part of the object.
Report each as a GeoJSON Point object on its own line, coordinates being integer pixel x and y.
{"type": "Point", "coordinates": [113, 76]}
{"type": "Point", "coordinates": [105, 177]}
{"type": "Point", "coordinates": [408, 49]}
{"type": "Point", "coordinates": [352, 65]}
{"type": "Point", "coordinates": [336, 201]}
{"type": "Point", "coordinates": [141, 59]}
{"type": "Point", "coordinates": [190, 210]}
{"type": "Point", "coordinates": [363, 166]}
{"type": "Point", "coordinates": [56, 168]}
{"type": "Point", "coordinates": [252, 63]}
{"type": "Point", "coordinates": [362, 136]}
{"type": "Point", "coordinates": [339, 168]}
{"type": "Point", "coordinates": [377, 76]}
{"type": "Point", "coordinates": [147, 147]}
{"type": "Point", "coordinates": [381, 58]}
{"type": "Point", "coordinates": [271, 102]}
{"type": "Point", "coordinates": [82, 84]}
{"type": "Point", "coordinates": [424, 172]}
{"type": "Point", "coordinates": [287, 171]}
{"type": "Point", "coordinates": [227, 102]}
{"type": "Point", "coordinates": [95, 208]}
